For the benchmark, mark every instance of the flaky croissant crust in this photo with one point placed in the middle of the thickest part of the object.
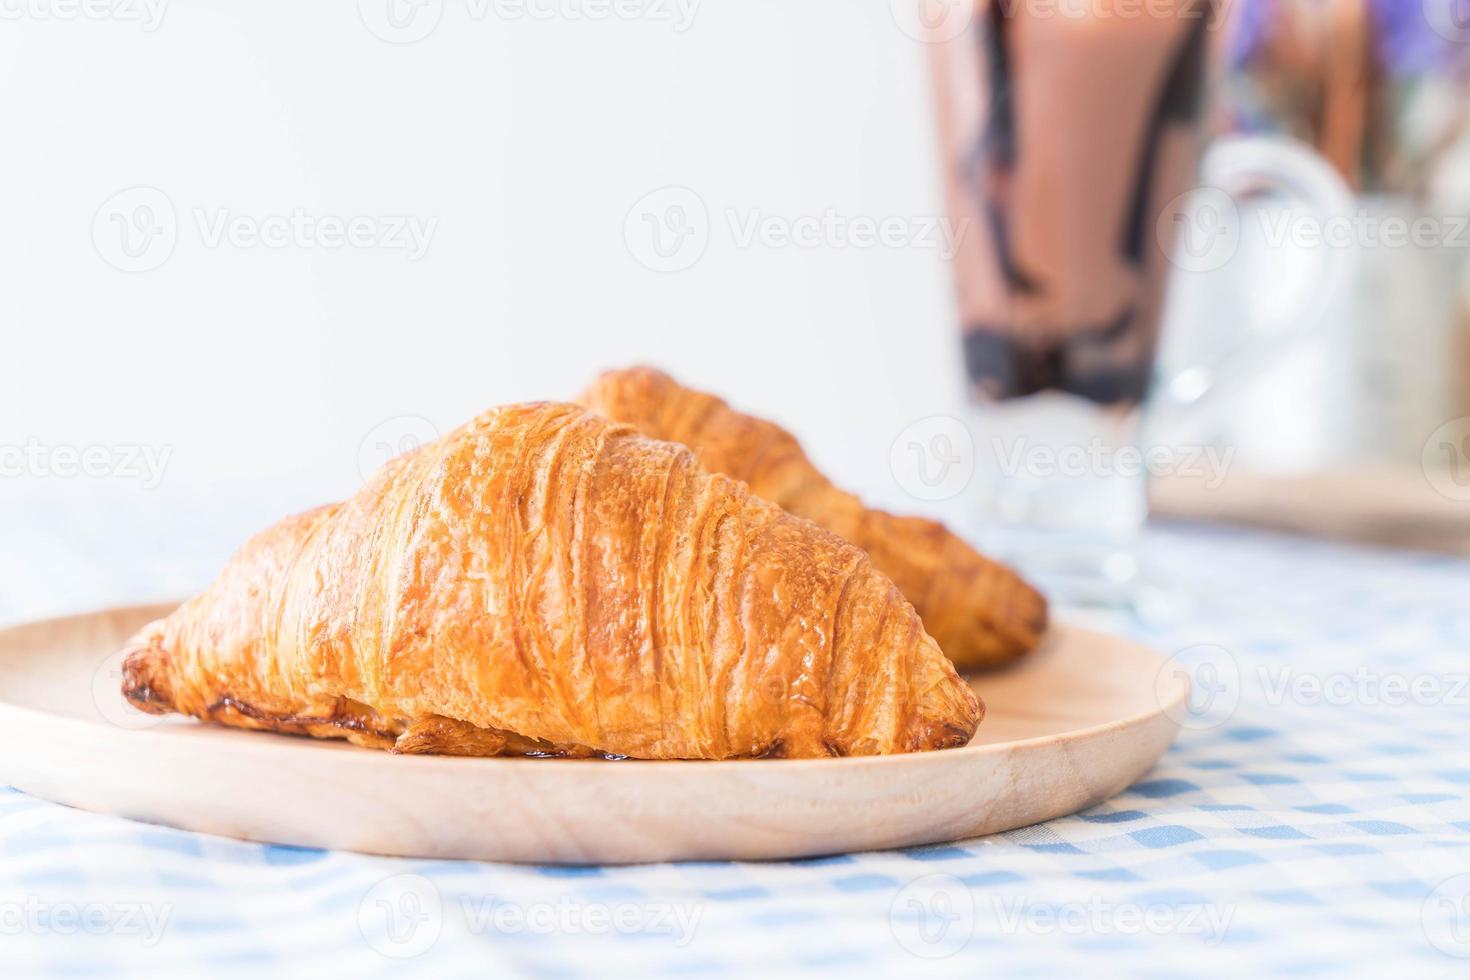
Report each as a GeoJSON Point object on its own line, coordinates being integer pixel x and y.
{"type": "Point", "coordinates": [981, 613]}
{"type": "Point", "coordinates": [542, 580]}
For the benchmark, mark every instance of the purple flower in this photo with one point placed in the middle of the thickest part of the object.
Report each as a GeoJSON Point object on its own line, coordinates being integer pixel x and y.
{"type": "Point", "coordinates": [1405, 42]}
{"type": "Point", "coordinates": [1248, 29]}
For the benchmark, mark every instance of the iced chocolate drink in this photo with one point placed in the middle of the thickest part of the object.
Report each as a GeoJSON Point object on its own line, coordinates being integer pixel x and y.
{"type": "Point", "coordinates": [1066, 126]}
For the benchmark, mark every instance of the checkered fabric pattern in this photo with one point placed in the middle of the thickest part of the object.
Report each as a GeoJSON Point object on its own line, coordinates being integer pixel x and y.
{"type": "Point", "coordinates": [1313, 820]}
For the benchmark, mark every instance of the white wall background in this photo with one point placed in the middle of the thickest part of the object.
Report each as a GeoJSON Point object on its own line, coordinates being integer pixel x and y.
{"type": "Point", "coordinates": [527, 140]}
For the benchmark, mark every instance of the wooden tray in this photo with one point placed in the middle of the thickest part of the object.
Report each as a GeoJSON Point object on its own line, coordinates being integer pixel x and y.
{"type": "Point", "coordinates": [1077, 722]}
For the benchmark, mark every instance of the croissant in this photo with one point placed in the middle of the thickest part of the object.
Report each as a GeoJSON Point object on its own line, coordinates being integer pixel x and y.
{"type": "Point", "coordinates": [981, 613]}
{"type": "Point", "coordinates": [545, 581]}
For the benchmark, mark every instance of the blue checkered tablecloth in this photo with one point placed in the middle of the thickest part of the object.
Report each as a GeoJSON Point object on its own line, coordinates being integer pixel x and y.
{"type": "Point", "coordinates": [1313, 820]}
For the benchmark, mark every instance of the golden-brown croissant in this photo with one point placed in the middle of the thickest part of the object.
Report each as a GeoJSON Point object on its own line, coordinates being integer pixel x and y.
{"type": "Point", "coordinates": [981, 612]}
{"type": "Point", "coordinates": [542, 580]}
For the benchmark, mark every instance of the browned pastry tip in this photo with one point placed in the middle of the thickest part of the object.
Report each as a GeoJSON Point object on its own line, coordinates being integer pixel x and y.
{"type": "Point", "coordinates": [543, 581]}
{"type": "Point", "coordinates": [981, 612]}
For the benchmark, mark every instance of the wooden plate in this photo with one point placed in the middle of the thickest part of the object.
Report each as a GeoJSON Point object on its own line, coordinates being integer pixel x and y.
{"type": "Point", "coordinates": [1077, 722]}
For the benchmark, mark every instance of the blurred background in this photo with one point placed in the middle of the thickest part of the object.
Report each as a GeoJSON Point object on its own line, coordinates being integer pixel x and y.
{"type": "Point", "coordinates": [248, 251]}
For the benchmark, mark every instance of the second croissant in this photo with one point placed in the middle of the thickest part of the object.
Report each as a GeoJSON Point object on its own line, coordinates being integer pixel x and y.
{"type": "Point", "coordinates": [982, 613]}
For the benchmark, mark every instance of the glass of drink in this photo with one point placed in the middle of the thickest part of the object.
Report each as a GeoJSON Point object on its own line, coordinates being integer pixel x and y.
{"type": "Point", "coordinates": [1070, 136]}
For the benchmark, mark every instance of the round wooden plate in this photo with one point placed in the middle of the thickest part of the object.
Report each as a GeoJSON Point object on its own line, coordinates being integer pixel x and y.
{"type": "Point", "coordinates": [1075, 723]}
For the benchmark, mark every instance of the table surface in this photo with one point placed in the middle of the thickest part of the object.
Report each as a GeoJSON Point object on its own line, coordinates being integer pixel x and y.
{"type": "Point", "coordinates": [1313, 819]}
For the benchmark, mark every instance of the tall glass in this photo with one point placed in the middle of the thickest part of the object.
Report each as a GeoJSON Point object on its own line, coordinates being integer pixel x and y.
{"type": "Point", "coordinates": [1068, 131]}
